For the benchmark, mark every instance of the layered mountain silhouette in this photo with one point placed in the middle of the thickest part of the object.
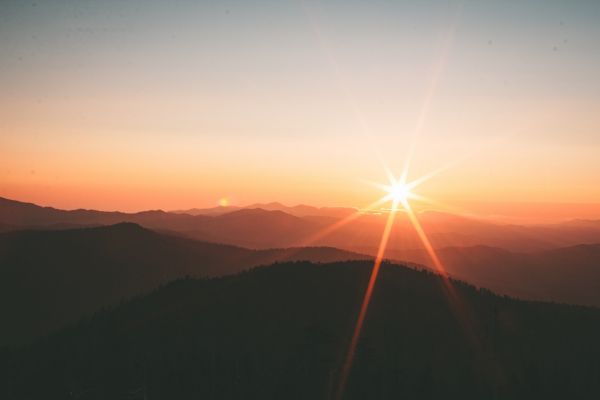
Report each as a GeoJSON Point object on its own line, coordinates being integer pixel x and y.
{"type": "Point", "coordinates": [104, 265]}
{"type": "Point", "coordinates": [267, 228]}
{"type": "Point", "coordinates": [565, 275]}
{"type": "Point", "coordinates": [282, 332]}
{"type": "Point", "coordinates": [300, 210]}
{"type": "Point", "coordinates": [51, 278]}
{"type": "Point", "coordinates": [165, 305]}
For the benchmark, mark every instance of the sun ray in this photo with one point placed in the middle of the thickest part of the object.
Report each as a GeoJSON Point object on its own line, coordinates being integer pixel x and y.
{"type": "Point", "coordinates": [379, 186]}
{"type": "Point", "coordinates": [424, 178]}
{"type": "Point", "coordinates": [347, 365]}
{"type": "Point", "coordinates": [339, 224]}
{"type": "Point", "coordinates": [443, 206]}
{"type": "Point", "coordinates": [399, 193]}
{"type": "Point", "coordinates": [458, 306]}
{"type": "Point", "coordinates": [391, 178]}
{"type": "Point", "coordinates": [425, 240]}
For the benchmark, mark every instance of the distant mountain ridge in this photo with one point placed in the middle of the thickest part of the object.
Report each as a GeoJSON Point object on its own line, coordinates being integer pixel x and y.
{"type": "Point", "coordinates": [103, 265]}
{"type": "Point", "coordinates": [261, 229]}
{"type": "Point", "coordinates": [565, 275]}
{"type": "Point", "coordinates": [58, 276]}
{"type": "Point", "coordinates": [300, 210]}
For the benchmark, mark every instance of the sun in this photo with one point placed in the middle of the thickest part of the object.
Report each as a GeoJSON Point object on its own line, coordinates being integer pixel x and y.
{"type": "Point", "coordinates": [399, 192]}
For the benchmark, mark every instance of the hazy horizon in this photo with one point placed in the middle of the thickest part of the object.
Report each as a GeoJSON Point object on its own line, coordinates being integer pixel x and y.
{"type": "Point", "coordinates": [146, 105]}
{"type": "Point", "coordinates": [505, 212]}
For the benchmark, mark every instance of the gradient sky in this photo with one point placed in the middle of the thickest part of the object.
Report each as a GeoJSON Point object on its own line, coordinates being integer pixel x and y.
{"type": "Point", "coordinates": [138, 104]}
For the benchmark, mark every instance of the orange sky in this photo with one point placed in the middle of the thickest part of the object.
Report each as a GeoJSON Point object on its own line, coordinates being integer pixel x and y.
{"type": "Point", "coordinates": [179, 108]}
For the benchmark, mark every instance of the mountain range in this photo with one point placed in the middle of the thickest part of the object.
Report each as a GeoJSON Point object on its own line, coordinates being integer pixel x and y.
{"type": "Point", "coordinates": [282, 332]}
{"type": "Point", "coordinates": [565, 275]}
{"type": "Point", "coordinates": [273, 228]}
{"type": "Point", "coordinates": [44, 271]}
{"type": "Point", "coordinates": [51, 278]}
{"type": "Point", "coordinates": [168, 305]}
{"type": "Point", "coordinates": [300, 210]}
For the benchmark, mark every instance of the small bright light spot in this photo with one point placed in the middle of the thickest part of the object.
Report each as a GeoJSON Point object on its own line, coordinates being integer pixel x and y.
{"type": "Point", "coordinates": [224, 202]}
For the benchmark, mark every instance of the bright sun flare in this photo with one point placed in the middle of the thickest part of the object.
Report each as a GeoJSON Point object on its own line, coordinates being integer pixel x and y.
{"type": "Point", "coordinates": [399, 192]}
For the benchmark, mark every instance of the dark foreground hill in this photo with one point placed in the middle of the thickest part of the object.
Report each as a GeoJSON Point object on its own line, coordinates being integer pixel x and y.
{"type": "Point", "coordinates": [281, 332]}
{"type": "Point", "coordinates": [50, 278]}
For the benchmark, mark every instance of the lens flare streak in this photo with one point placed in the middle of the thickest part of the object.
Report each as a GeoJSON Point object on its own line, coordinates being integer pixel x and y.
{"type": "Point", "coordinates": [366, 300]}
{"type": "Point", "coordinates": [457, 306]}
{"type": "Point", "coordinates": [339, 224]}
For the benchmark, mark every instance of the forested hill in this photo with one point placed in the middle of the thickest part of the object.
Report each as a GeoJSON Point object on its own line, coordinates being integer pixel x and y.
{"type": "Point", "coordinates": [281, 332]}
{"type": "Point", "coordinates": [51, 278]}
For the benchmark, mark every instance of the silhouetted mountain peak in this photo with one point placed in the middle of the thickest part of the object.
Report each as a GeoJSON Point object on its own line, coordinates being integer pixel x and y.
{"type": "Point", "coordinates": [122, 227]}
{"type": "Point", "coordinates": [259, 212]}
{"type": "Point", "coordinates": [270, 204]}
{"type": "Point", "coordinates": [151, 212]}
{"type": "Point", "coordinates": [579, 249]}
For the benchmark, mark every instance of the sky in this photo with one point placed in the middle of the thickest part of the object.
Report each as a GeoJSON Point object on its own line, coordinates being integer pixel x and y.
{"type": "Point", "coordinates": [134, 105]}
